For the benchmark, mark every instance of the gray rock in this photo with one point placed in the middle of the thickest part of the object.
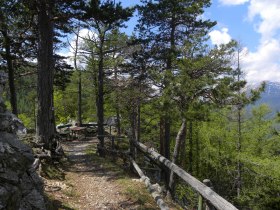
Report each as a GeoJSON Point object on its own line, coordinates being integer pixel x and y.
{"type": "Point", "coordinates": [20, 185]}
{"type": "Point", "coordinates": [10, 123]}
{"type": "Point", "coordinates": [33, 200]}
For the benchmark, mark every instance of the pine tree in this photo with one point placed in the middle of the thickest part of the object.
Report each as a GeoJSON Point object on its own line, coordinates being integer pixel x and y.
{"type": "Point", "coordinates": [53, 18]}
{"type": "Point", "coordinates": [16, 42]}
{"type": "Point", "coordinates": [166, 25]}
{"type": "Point", "coordinates": [104, 17]}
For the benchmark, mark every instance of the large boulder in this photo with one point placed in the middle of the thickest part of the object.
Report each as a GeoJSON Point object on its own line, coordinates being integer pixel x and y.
{"type": "Point", "coordinates": [20, 186]}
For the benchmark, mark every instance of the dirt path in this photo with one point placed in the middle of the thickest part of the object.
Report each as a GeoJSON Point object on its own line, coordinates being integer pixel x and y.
{"type": "Point", "coordinates": [92, 182]}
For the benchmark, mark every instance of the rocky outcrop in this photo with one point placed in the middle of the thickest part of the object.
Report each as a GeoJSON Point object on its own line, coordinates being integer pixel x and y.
{"type": "Point", "coordinates": [20, 186]}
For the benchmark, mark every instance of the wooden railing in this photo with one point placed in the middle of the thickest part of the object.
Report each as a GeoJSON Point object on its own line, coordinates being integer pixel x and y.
{"type": "Point", "coordinates": [205, 192]}
{"type": "Point", "coordinates": [213, 201]}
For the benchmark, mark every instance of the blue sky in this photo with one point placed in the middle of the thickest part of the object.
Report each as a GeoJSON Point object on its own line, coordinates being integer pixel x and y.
{"type": "Point", "coordinates": [255, 23]}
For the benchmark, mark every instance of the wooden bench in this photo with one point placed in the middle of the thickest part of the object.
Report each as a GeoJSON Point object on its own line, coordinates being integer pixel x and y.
{"type": "Point", "coordinates": [64, 130]}
{"type": "Point", "coordinates": [78, 132]}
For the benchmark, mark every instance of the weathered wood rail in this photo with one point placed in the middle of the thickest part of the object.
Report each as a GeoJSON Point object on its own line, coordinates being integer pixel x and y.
{"type": "Point", "coordinates": [213, 200]}
{"type": "Point", "coordinates": [206, 192]}
{"type": "Point", "coordinates": [148, 184]}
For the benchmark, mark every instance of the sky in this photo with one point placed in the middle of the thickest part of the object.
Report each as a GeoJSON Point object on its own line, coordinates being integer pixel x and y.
{"type": "Point", "coordinates": [255, 24]}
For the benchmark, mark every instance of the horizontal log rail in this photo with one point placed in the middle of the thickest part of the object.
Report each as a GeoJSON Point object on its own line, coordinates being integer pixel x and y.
{"type": "Point", "coordinates": [148, 184]}
{"type": "Point", "coordinates": [206, 192]}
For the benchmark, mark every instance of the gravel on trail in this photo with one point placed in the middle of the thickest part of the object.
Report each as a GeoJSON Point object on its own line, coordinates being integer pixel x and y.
{"type": "Point", "coordinates": [88, 184]}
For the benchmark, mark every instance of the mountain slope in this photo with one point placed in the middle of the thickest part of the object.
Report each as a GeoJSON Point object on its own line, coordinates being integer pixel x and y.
{"type": "Point", "coordinates": [270, 96]}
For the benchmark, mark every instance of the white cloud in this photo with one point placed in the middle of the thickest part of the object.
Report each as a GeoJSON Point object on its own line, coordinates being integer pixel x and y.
{"type": "Point", "coordinates": [263, 65]}
{"type": "Point", "coordinates": [81, 56]}
{"type": "Point", "coordinates": [233, 2]}
{"type": "Point", "coordinates": [220, 37]}
{"type": "Point", "coordinates": [269, 14]}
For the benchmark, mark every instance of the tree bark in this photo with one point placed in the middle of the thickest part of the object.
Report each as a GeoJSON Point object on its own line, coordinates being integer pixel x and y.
{"type": "Point", "coordinates": [161, 136]}
{"type": "Point", "coordinates": [80, 100]}
{"type": "Point", "coordinates": [117, 105]}
{"type": "Point", "coordinates": [100, 96]}
{"type": "Point", "coordinates": [138, 121]}
{"type": "Point", "coordinates": [239, 124]}
{"type": "Point", "coordinates": [79, 78]}
{"type": "Point", "coordinates": [191, 147]}
{"type": "Point", "coordinates": [197, 150]}
{"type": "Point", "coordinates": [183, 154]}
{"type": "Point", "coordinates": [165, 172]}
{"type": "Point", "coordinates": [181, 133]}
{"type": "Point", "coordinates": [167, 137]}
{"type": "Point", "coordinates": [132, 133]}
{"type": "Point", "coordinates": [8, 58]}
{"type": "Point", "coordinates": [45, 117]}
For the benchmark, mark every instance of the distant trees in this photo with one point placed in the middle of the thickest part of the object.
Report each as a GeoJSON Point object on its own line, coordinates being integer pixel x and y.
{"type": "Point", "coordinates": [17, 43]}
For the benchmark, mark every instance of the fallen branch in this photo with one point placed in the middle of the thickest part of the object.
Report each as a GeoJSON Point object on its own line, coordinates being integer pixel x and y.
{"type": "Point", "coordinates": [36, 163]}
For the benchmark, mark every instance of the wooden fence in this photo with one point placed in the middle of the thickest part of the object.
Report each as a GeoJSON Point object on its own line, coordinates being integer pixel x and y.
{"type": "Point", "coordinates": [212, 199]}
{"type": "Point", "coordinates": [205, 192]}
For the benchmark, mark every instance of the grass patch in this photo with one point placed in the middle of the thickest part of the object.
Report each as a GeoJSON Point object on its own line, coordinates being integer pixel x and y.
{"type": "Point", "coordinates": [111, 163]}
{"type": "Point", "coordinates": [137, 192]}
{"type": "Point", "coordinates": [51, 171]}
{"type": "Point", "coordinates": [70, 192]}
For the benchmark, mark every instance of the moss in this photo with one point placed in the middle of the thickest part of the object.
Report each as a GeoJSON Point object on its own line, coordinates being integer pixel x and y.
{"type": "Point", "coordinates": [51, 171]}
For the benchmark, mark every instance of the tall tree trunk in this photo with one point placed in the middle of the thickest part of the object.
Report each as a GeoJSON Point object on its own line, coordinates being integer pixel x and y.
{"type": "Point", "coordinates": [161, 136]}
{"type": "Point", "coordinates": [191, 147]}
{"type": "Point", "coordinates": [167, 137]}
{"type": "Point", "coordinates": [8, 58]}
{"type": "Point", "coordinates": [181, 133]}
{"type": "Point", "coordinates": [76, 48]}
{"type": "Point", "coordinates": [133, 129]}
{"type": "Point", "coordinates": [167, 119]}
{"type": "Point", "coordinates": [100, 97]}
{"type": "Point", "coordinates": [183, 154]}
{"type": "Point", "coordinates": [117, 105]}
{"type": "Point", "coordinates": [45, 117]}
{"type": "Point", "coordinates": [138, 120]}
{"type": "Point", "coordinates": [197, 150]}
{"type": "Point", "coordinates": [238, 145]}
{"type": "Point", "coordinates": [80, 100]}
{"type": "Point", "coordinates": [165, 172]}
{"type": "Point", "coordinates": [118, 120]}
{"type": "Point", "coordinates": [238, 178]}
{"type": "Point", "coordinates": [138, 127]}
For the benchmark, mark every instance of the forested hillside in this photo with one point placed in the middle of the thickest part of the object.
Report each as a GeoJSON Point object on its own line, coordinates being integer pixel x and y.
{"type": "Point", "coordinates": [165, 85]}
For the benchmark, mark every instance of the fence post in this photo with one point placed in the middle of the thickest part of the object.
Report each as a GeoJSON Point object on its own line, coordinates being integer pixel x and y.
{"type": "Point", "coordinates": [113, 142]}
{"type": "Point", "coordinates": [132, 147]}
{"type": "Point", "coordinates": [208, 206]}
{"type": "Point", "coordinates": [200, 202]}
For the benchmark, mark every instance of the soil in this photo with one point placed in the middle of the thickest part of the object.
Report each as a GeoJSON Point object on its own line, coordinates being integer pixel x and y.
{"type": "Point", "coordinates": [91, 182]}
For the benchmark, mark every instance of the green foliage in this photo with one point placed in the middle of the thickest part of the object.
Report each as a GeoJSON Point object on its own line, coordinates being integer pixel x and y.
{"type": "Point", "coordinates": [27, 121]}
{"type": "Point", "coordinates": [66, 101]}
{"type": "Point", "coordinates": [259, 157]}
